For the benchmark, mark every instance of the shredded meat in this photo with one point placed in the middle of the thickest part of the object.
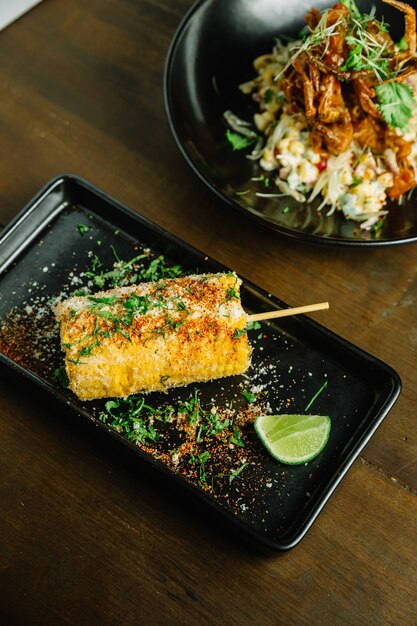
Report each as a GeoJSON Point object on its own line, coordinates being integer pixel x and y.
{"type": "Point", "coordinates": [340, 102]}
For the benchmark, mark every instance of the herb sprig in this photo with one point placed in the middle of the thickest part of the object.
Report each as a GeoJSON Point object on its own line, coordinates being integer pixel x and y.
{"type": "Point", "coordinates": [239, 142]}
{"type": "Point", "coordinates": [396, 104]}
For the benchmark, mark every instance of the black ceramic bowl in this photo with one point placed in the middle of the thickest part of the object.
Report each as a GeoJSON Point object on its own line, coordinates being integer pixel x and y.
{"type": "Point", "coordinates": [211, 54]}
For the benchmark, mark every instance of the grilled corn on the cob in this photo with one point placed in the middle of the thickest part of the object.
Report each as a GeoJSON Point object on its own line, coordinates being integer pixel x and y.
{"type": "Point", "coordinates": [153, 336]}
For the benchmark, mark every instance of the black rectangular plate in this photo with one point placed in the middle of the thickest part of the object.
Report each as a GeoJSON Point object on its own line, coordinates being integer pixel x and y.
{"type": "Point", "coordinates": [42, 252]}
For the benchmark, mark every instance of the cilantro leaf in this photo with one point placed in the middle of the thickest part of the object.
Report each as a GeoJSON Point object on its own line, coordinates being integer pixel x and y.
{"type": "Point", "coordinates": [238, 142]}
{"type": "Point", "coordinates": [396, 103]}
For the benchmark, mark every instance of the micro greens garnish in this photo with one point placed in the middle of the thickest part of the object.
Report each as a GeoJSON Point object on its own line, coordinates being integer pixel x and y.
{"type": "Point", "coordinates": [135, 419]}
{"type": "Point", "coordinates": [367, 52]}
{"type": "Point", "coordinates": [158, 269]}
{"type": "Point", "coordinates": [321, 33]}
{"type": "Point", "coordinates": [375, 228]}
{"type": "Point", "coordinates": [350, 4]}
{"type": "Point", "coordinates": [191, 407]}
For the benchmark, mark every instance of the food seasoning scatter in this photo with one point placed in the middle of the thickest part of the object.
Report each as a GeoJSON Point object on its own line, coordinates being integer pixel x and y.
{"type": "Point", "coordinates": [206, 444]}
{"type": "Point", "coordinates": [29, 338]}
{"type": "Point", "coordinates": [337, 116]}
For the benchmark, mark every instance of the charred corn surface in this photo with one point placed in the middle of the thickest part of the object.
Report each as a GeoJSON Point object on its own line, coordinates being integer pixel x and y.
{"type": "Point", "coordinates": [153, 336]}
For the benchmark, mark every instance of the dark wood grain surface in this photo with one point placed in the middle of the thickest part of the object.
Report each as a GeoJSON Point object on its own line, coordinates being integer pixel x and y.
{"type": "Point", "coordinates": [88, 536]}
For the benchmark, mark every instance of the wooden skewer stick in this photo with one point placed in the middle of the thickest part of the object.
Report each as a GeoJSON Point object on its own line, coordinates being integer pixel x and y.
{"type": "Point", "coordinates": [270, 315]}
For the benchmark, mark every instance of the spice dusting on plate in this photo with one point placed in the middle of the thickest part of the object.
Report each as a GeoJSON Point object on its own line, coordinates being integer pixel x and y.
{"type": "Point", "coordinates": [207, 444]}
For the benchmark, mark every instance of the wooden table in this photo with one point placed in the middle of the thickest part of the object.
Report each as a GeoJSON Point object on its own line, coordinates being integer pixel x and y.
{"type": "Point", "coordinates": [85, 536]}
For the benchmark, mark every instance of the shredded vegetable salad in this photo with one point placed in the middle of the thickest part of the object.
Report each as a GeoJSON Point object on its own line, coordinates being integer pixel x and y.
{"type": "Point", "coordinates": [337, 114]}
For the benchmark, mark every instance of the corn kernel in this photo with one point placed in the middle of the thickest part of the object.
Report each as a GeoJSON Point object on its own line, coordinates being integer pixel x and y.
{"type": "Point", "coordinates": [283, 145]}
{"type": "Point", "coordinates": [369, 174]}
{"type": "Point", "coordinates": [296, 148]}
{"type": "Point", "coordinates": [262, 120]}
{"type": "Point", "coordinates": [308, 172]}
{"type": "Point", "coordinates": [312, 156]}
{"type": "Point", "coordinates": [346, 177]}
{"type": "Point", "coordinates": [364, 189]}
{"type": "Point", "coordinates": [386, 179]}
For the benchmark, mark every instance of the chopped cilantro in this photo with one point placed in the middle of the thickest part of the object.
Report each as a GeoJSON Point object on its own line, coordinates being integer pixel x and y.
{"type": "Point", "coordinates": [201, 460]}
{"type": "Point", "coordinates": [238, 142]}
{"type": "Point", "coordinates": [236, 438]}
{"type": "Point", "coordinates": [249, 397]}
{"type": "Point", "coordinates": [83, 229]}
{"type": "Point", "coordinates": [232, 293]}
{"type": "Point", "coordinates": [253, 326]}
{"type": "Point", "coordinates": [112, 404]}
{"type": "Point", "coordinates": [268, 95]}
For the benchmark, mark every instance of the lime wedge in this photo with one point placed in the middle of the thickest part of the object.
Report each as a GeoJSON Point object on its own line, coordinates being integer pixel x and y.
{"type": "Point", "coordinates": [293, 439]}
